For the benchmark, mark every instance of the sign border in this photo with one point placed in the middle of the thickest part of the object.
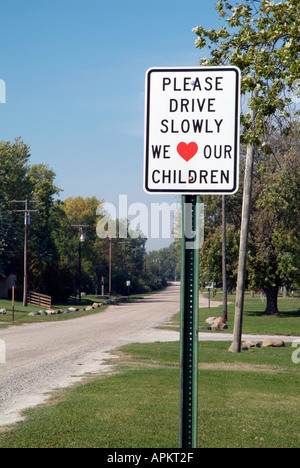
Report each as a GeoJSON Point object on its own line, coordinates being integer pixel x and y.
{"type": "Point", "coordinates": [236, 136]}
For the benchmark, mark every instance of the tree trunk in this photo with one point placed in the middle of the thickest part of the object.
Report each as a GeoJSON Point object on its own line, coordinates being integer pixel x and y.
{"type": "Point", "coordinates": [224, 272]}
{"type": "Point", "coordinates": [272, 304]}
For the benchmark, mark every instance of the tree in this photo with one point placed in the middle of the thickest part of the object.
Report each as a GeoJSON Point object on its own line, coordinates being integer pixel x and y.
{"type": "Point", "coordinates": [14, 165]}
{"type": "Point", "coordinates": [264, 44]}
{"type": "Point", "coordinates": [274, 245]}
{"type": "Point", "coordinates": [20, 181]}
{"type": "Point", "coordinates": [211, 256]}
{"type": "Point", "coordinates": [69, 213]}
{"type": "Point", "coordinates": [15, 185]}
{"type": "Point", "coordinates": [7, 236]}
{"type": "Point", "coordinates": [42, 251]}
{"type": "Point", "coordinates": [165, 263]}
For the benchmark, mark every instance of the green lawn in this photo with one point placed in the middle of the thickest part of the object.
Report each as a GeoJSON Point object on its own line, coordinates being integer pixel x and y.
{"type": "Point", "coordinates": [245, 400]}
{"type": "Point", "coordinates": [254, 322]}
{"type": "Point", "coordinates": [21, 313]}
{"type": "Point", "coordinates": [254, 319]}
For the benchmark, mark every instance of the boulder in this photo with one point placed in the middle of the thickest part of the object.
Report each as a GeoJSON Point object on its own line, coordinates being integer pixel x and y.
{"type": "Point", "coordinates": [210, 320]}
{"type": "Point", "coordinates": [73, 309]}
{"type": "Point", "coordinates": [219, 324]}
{"type": "Point", "coordinates": [273, 342]}
{"type": "Point", "coordinates": [96, 305]}
{"type": "Point", "coordinates": [3, 311]}
{"type": "Point", "coordinates": [90, 308]}
{"type": "Point", "coordinates": [33, 314]}
{"type": "Point", "coordinates": [243, 347]}
{"type": "Point", "coordinates": [251, 344]}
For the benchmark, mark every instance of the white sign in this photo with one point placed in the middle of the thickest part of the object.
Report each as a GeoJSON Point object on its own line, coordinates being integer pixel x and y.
{"type": "Point", "coordinates": [192, 130]}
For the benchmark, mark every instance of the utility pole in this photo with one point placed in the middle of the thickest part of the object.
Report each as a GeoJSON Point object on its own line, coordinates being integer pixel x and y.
{"type": "Point", "coordinates": [81, 239]}
{"type": "Point", "coordinates": [224, 258]}
{"type": "Point", "coordinates": [110, 266]}
{"type": "Point", "coordinates": [240, 291]}
{"type": "Point", "coordinates": [26, 212]}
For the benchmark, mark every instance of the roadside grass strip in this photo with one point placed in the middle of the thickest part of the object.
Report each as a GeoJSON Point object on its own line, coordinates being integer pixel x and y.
{"type": "Point", "coordinates": [247, 400]}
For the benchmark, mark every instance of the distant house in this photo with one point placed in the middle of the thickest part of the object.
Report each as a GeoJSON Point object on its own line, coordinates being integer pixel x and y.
{"type": "Point", "coordinates": [6, 285]}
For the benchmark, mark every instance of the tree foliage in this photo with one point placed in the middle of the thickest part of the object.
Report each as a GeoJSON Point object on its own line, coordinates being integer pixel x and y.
{"type": "Point", "coordinates": [53, 235]}
{"type": "Point", "coordinates": [274, 250]}
{"type": "Point", "coordinates": [261, 37]}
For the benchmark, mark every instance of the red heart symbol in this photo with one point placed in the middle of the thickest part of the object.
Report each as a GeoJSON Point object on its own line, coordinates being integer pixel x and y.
{"type": "Point", "coordinates": [187, 151]}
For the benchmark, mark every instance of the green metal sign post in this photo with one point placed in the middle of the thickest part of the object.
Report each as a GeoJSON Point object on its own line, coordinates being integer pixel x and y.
{"type": "Point", "coordinates": [192, 129]}
{"type": "Point", "coordinates": [189, 321]}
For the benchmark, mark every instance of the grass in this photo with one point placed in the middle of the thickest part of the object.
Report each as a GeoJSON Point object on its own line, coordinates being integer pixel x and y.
{"type": "Point", "coordinates": [256, 322]}
{"type": "Point", "coordinates": [247, 400]}
{"type": "Point", "coordinates": [254, 319]}
{"type": "Point", "coordinates": [21, 313]}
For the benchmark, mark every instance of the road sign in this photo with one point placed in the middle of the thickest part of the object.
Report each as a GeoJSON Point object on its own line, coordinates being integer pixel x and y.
{"type": "Point", "coordinates": [192, 130]}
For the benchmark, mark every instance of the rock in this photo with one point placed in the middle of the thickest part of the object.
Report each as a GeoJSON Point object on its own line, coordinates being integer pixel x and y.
{"type": "Point", "coordinates": [90, 308]}
{"type": "Point", "coordinates": [252, 344]}
{"type": "Point", "coordinates": [73, 309]}
{"type": "Point", "coordinates": [96, 305]}
{"type": "Point", "coordinates": [273, 342]}
{"type": "Point", "coordinates": [43, 312]}
{"type": "Point", "coordinates": [210, 320]}
{"type": "Point", "coordinates": [3, 311]}
{"type": "Point", "coordinates": [219, 324]}
{"type": "Point", "coordinates": [66, 311]}
{"type": "Point", "coordinates": [34, 314]}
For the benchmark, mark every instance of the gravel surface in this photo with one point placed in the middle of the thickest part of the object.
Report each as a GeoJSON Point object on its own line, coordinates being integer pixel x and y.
{"type": "Point", "coordinates": [45, 356]}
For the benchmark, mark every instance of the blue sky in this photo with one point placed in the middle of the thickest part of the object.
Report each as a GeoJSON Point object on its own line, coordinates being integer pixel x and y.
{"type": "Point", "coordinates": [75, 72]}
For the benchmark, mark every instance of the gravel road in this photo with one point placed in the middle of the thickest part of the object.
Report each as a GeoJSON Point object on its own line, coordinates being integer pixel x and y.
{"type": "Point", "coordinates": [45, 356]}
